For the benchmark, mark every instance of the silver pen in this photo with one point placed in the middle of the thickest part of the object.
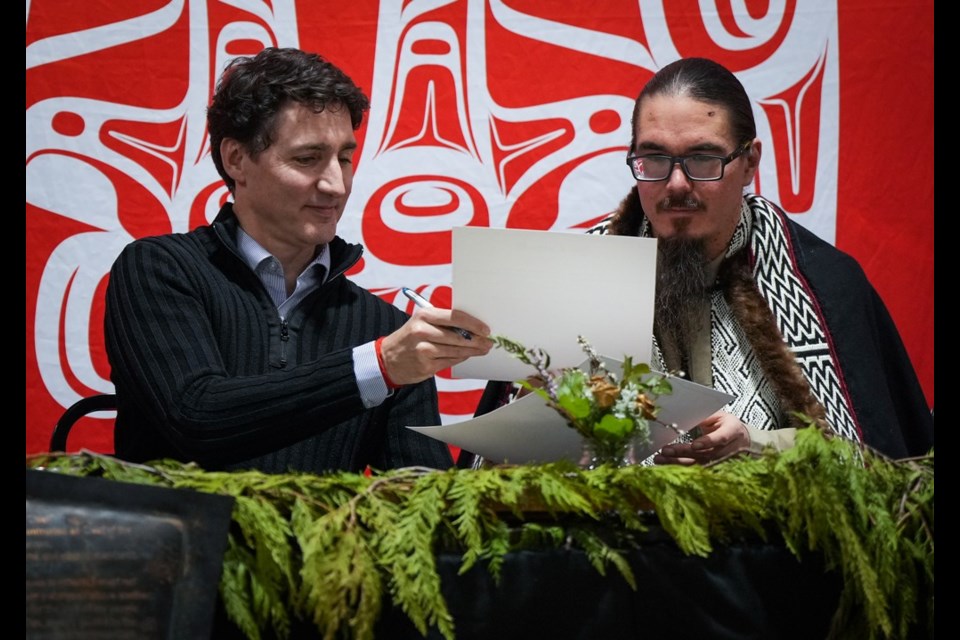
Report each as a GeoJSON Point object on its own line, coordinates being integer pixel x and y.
{"type": "Point", "coordinates": [420, 301]}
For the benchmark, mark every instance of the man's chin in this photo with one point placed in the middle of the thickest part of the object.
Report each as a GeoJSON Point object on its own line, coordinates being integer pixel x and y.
{"type": "Point", "coordinates": [680, 228]}
{"type": "Point", "coordinates": [322, 234]}
{"type": "Point", "coordinates": [668, 224]}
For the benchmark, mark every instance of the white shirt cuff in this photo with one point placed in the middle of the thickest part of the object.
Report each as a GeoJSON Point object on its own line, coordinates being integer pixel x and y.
{"type": "Point", "coordinates": [373, 389]}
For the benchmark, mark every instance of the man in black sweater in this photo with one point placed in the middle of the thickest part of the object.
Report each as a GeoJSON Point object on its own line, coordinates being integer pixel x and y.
{"type": "Point", "coordinates": [242, 344]}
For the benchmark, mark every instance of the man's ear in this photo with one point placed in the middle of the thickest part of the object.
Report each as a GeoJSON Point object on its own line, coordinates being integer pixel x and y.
{"type": "Point", "coordinates": [752, 159]}
{"type": "Point", "coordinates": [233, 154]}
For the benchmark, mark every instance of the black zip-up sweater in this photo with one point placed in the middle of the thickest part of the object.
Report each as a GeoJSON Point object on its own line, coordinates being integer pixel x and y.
{"type": "Point", "coordinates": [206, 371]}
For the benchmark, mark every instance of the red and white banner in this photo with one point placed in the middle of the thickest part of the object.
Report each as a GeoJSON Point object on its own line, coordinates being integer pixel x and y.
{"type": "Point", "coordinates": [501, 113]}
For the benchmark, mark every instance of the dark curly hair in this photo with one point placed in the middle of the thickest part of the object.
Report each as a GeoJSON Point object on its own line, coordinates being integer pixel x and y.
{"type": "Point", "coordinates": [704, 80]}
{"type": "Point", "coordinates": [252, 90]}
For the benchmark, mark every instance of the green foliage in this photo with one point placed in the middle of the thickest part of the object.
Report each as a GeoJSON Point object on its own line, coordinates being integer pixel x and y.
{"type": "Point", "coordinates": [858, 518]}
{"type": "Point", "coordinates": [337, 549]}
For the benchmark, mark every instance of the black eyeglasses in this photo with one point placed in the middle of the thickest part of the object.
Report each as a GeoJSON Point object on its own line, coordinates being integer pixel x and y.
{"type": "Point", "coordinates": [700, 167]}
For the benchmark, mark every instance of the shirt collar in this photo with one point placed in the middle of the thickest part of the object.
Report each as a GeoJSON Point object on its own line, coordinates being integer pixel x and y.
{"type": "Point", "coordinates": [254, 254]}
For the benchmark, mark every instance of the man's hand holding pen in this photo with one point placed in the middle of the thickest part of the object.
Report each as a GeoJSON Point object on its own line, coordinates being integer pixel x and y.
{"type": "Point", "coordinates": [423, 303]}
{"type": "Point", "coordinates": [432, 340]}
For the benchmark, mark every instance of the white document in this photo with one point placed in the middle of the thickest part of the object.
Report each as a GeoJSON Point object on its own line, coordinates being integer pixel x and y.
{"type": "Point", "coordinates": [529, 431]}
{"type": "Point", "coordinates": [545, 288]}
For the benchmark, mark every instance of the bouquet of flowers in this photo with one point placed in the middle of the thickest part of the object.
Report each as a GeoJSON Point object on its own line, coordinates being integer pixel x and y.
{"type": "Point", "coordinates": [611, 412]}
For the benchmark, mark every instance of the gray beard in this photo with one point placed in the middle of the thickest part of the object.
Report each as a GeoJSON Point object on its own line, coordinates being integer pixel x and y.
{"type": "Point", "coordinates": [682, 288]}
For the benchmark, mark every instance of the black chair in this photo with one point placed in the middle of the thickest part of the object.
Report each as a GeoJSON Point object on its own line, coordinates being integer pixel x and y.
{"type": "Point", "coordinates": [80, 408]}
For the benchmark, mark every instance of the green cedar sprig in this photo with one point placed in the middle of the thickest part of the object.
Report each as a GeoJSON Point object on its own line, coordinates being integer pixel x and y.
{"type": "Point", "coordinates": [336, 549]}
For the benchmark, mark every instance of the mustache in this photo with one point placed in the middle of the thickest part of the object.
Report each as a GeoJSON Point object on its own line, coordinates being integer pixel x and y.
{"type": "Point", "coordinates": [684, 202]}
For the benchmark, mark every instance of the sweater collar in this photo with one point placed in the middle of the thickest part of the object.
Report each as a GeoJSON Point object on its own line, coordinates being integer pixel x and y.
{"type": "Point", "coordinates": [343, 254]}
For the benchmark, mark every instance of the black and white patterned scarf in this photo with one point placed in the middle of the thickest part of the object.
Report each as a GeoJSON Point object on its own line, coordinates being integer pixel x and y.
{"type": "Point", "coordinates": [736, 368]}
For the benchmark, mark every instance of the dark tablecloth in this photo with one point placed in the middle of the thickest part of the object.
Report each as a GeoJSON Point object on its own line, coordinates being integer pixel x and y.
{"type": "Point", "coordinates": [750, 589]}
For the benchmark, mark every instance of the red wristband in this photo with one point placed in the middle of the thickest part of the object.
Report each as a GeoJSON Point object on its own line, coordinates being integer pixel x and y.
{"type": "Point", "coordinates": [383, 370]}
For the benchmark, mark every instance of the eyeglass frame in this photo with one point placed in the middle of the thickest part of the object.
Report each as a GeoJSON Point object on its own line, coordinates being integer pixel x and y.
{"type": "Point", "coordinates": [682, 161]}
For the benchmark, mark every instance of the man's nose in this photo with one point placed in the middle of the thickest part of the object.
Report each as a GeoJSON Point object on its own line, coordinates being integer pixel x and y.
{"type": "Point", "coordinates": [678, 177]}
{"type": "Point", "coordinates": [333, 179]}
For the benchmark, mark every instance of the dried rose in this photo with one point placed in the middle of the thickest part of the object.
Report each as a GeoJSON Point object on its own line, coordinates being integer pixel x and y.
{"type": "Point", "coordinates": [646, 406]}
{"type": "Point", "coordinates": [604, 392]}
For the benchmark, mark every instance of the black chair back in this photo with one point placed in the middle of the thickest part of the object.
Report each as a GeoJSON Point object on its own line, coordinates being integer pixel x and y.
{"type": "Point", "coordinates": [80, 408]}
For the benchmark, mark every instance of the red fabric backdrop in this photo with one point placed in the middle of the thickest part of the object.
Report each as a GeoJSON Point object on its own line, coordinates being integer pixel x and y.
{"type": "Point", "coordinates": [525, 129]}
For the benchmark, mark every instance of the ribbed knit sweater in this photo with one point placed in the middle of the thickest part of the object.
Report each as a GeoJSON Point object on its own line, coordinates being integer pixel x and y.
{"type": "Point", "coordinates": [205, 370]}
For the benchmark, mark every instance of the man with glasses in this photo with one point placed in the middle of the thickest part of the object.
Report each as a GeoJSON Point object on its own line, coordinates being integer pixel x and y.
{"type": "Point", "coordinates": [748, 301]}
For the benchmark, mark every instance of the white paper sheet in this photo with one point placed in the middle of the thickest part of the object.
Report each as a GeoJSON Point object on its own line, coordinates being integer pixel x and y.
{"type": "Point", "coordinates": [529, 431]}
{"type": "Point", "coordinates": [545, 288]}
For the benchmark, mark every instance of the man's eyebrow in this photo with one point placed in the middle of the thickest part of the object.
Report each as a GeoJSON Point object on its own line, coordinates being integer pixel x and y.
{"type": "Point", "coordinates": [323, 147]}
{"type": "Point", "coordinates": [703, 146]}
{"type": "Point", "coordinates": [651, 146]}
